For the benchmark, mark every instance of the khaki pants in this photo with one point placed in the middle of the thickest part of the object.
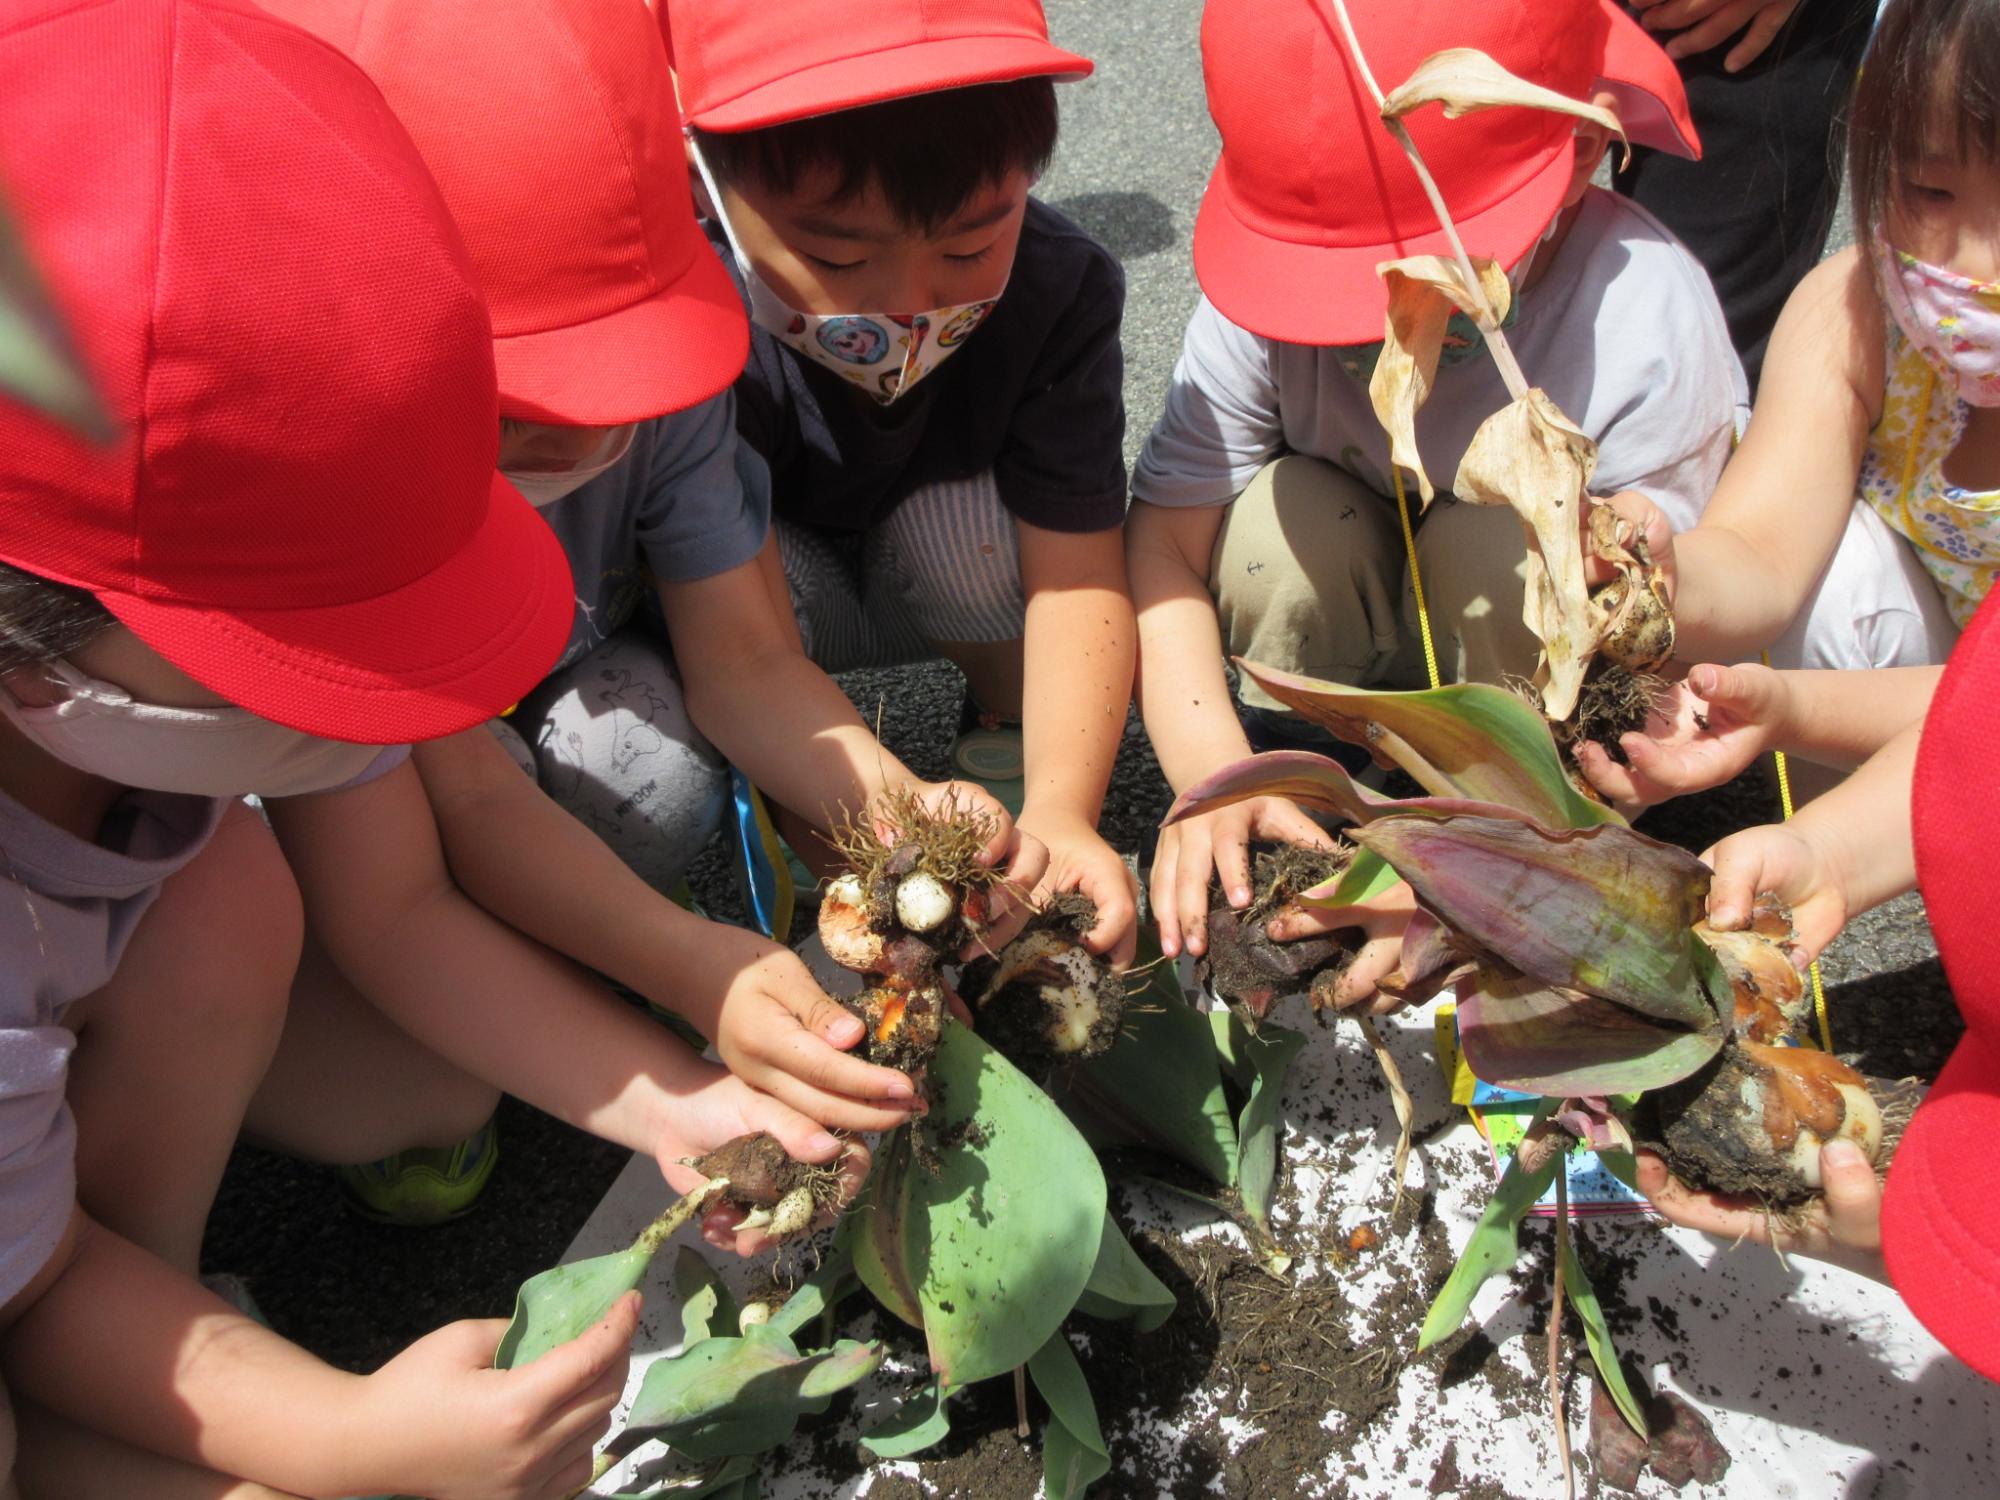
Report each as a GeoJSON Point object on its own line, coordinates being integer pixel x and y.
{"type": "Point", "coordinates": [1309, 574]}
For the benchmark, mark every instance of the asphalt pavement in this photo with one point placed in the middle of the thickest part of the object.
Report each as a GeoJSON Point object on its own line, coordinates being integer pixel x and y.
{"type": "Point", "coordinates": [1136, 149]}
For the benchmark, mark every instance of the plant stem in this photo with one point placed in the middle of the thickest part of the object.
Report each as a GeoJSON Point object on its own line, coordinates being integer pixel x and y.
{"type": "Point", "coordinates": [1399, 1099]}
{"type": "Point", "coordinates": [675, 1218]}
{"type": "Point", "coordinates": [1555, 1329]}
{"type": "Point", "coordinates": [1489, 325]}
{"type": "Point", "coordinates": [1021, 1428]}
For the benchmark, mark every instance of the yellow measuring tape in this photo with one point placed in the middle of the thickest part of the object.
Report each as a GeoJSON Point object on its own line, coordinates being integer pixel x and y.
{"type": "Point", "coordinates": [1431, 669]}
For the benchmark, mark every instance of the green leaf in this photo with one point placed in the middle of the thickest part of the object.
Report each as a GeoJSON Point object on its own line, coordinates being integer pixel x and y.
{"type": "Point", "coordinates": [729, 1396]}
{"type": "Point", "coordinates": [1074, 1455]}
{"type": "Point", "coordinates": [992, 1246]}
{"type": "Point", "coordinates": [39, 363]}
{"type": "Point", "coordinates": [1258, 1062]}
{"type": "Point", "coordinates": [1120, 1286]}
{"type": "Point", "coordinates": [1365, 878]}
{"type": "Point", "coordinates": [1495, 1244]}
{"type": "Point", "coordinates": [566, 1302]}
{"type": "Point", "coordinates": [1603, 910]}
{"type": "Point", "coordinates": [1517, 1034]}
{"type": "Point", "coordinates": [1467, 740]}
{"type": "Point", "coordinates": [921, 1421]}
{"type": "Point", "coordinates": [707, 1309]}
{"type": "Point", "coordinates": [1160, 1085]}
{"type": "Point", "coordinates": [1597, 1333]}
{"type": "Point", "coordinates": [732, 1479]}
{"type": "Point", "coordinates": [1311, 781]}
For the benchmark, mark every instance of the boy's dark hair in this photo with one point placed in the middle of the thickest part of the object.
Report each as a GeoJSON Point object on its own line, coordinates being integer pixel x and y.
{"type": "Point", "coordinates": [41, 619]}
{"type": "Point", "coordinates": [1931, 64]}
{"type": "Point", "coordinates": [930, 153]}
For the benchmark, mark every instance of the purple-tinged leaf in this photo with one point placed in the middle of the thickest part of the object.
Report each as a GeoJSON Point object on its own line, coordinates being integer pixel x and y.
{"type": "Point", "coordinates": [1588, 1117]}
{"type": "Point", "coordinates": [1468, 740]}
{"type": "Point", "coordinates": [1430, 955]}
{"type": "Point", "coordinates": [1311, 781]}
{"type": "Point", "coordinates": [1517, 1034]}
{"type": "Point", "coordinates": [1603, 910]}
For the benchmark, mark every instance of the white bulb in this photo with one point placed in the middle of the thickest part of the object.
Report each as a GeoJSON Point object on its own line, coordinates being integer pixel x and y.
{"type": "Point", "coordinates": [923, 903]}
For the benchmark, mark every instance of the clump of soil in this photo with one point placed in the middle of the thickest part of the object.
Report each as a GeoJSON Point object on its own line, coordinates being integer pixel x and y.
{"type": "Point", "coordinates": [1242, 966]}
{"type": "Point", "coordinates": [1045, 998]}
{"type": "Point", "coordinates": [904, 1022]}
{"type": "Point", "coordinates": [773, 1192]}
{"type": "Point", "coordinates": [1615, 701]}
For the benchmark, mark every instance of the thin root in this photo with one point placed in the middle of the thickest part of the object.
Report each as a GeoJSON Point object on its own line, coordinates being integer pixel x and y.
{"type": "Point", "coordinates": [1399, 1099]}
{"type": "Point", "coordinates": [1555, 1334]}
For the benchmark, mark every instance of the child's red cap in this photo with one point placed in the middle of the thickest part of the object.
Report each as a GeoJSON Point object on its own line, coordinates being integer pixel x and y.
{"type": "Point", "coordinates": [1312, 192]}
{"type": "Point", "coordinates": [551, 128]}
{"type": "Point", "coordinates": [301, 509]}
{"type": "Point", "coordinates": [744, 64]}
{"type": "Point", "coordinates": [1940, 1218]}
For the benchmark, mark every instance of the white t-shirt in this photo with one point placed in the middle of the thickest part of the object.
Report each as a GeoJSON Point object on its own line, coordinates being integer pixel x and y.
{"type": "Point", "coordinates": [1623, 331]}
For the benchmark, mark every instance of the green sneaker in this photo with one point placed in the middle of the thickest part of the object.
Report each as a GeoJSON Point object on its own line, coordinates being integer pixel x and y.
{"type": "Point", "coordinates": [426, 1185]}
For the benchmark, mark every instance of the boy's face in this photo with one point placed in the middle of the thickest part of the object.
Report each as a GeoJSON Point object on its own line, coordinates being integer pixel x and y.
{"type": "Point", "coordinates": [826, 254]}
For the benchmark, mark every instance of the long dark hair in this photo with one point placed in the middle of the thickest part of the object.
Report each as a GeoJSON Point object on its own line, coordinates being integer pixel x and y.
{"type": "Point", "coordinates": [1931, 63]}
{"type": "Point", "coordinates": [41, 619]}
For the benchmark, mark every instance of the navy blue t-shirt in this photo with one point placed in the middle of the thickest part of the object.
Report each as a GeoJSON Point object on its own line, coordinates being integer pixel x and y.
{"type": "Point", "coordinates": [1036, 395]}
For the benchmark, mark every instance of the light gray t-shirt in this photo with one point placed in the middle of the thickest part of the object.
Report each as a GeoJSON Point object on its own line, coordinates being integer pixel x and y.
{"type": "Point", "coordinates": [68, 907]}
{"type": "Point", "coordinates": [1623, 331]}
{"type": "Point", "coordinates": [687, 502]}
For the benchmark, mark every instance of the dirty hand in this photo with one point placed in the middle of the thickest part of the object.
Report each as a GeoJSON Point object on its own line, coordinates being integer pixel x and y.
{"type": "Point", "coordinates": [1709, 23]}
{"type": "Point", "coordinates": [1382, 919]}
{"type": "Point", "coordinates": [717, 1112]}
{"type": "Point", "coordinates": [1020, 857]}
{"type": "Point", "coordinates": [1080, 860]}
{"type": "Point", "coordinates": [453, 1427]}
{"type": "Point", "coordinates": [1844, 1225]}
{"type": "Point", "coordinates": [1643, 520]}
{"type": "Point", "coordinates": [1218, 843]}
{"type": "Point", "coordinates": [1780, 858]}
{"type": "Point", "coordinates": [1704, 731]}
{"type": "Point", "coordinates": [778, 1031]}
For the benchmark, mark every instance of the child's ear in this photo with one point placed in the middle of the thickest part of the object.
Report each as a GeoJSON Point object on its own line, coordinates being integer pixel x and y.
{"type": "Point", "coordinates": [1592, 140]}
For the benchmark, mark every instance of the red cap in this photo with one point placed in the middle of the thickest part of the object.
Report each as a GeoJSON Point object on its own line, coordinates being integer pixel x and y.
{"type": "Point", "coordinates": [301, 511]}
{"type": "Point", "coordinates": [1312, 192]}
{"type": "Point", "coordinates": [1940, 1220]}
{"type": "Point", "coordinates": [551, 128]}
{"type": "Point", "coordinates": [743, 64]}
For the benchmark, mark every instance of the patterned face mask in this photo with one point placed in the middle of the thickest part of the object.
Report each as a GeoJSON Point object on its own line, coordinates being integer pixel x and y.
{"type": "Point", "coordinates": [1952, 320]}
{"type": "Point", "coordinates": [885, 354]}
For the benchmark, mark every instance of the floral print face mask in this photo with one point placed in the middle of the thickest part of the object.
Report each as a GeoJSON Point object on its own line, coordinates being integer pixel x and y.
{"type": "Point", "coordinates": [1953, 320]}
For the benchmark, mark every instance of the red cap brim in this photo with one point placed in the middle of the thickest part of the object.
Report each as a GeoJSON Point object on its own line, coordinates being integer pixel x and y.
{"type": "Point", "coordinates": [1330, 294]}
{"type": "Point", "coordinates": [1940, 1218]}
{"type": "Point", "coordinates": [678, 347]}
{"type": "Point", "coordinates": [1652, 100]}
{"type": "Point", "coordinates": [920, 68]}
{"type": "Point", "coordinates": [459, 645]}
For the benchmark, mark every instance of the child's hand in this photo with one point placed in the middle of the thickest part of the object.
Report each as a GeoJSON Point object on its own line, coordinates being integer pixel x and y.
{"type": "Point", "coordinates": [444, 1423]}
{"type": "Point", "coordinates": [1021, 858]}
{"type": "Point", "coordinates": [1844, 1226]}
{"type": "Point", "coordinates": [779, 1032]}
{"type": "Point", "coordinates": [1079, 860]}
{"type": "Point", "coordinates": [1710, 23]}
{"type": "Point", "coordinates": [1780, 858]}
{"type": "Point", "coordinates": [1642, 518]}
{"type": "Point", "coordinates": [1218, 843]}
{"type": "Point", "coordinates": [713, 1114]}
{"type": "Point", "coordinates": [1382, 920]}
{"type": "Point", "coordinates": [1705, 731]}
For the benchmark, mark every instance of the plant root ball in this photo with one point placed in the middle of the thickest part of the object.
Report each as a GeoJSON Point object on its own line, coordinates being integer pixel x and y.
{"type": "Point", "coordinates": [904, 1018]}
{"type": "Point", "coordinates": [774, 1193]}
{"type": "Point", "coordinates": [1753, 1120]}
{"type": "Point", "coordinates": [1045, 998]}
{"type": "Point", "coordinates": [1242, 967]}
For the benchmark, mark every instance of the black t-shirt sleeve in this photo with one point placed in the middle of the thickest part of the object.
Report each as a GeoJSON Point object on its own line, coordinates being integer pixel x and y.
{"type": "Point", "coordinates": [1062, 463]}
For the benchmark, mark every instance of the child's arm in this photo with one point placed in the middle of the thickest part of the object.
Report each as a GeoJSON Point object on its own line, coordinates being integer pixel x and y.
{"type": "Point", "coordinates": [1746, 571]}
{"type": "Point", "coordinates": [540, 871]}
{"type": "Point", "coordinates": [784, 723]}
{"type": "Point", "coordinates": [1711, 726]}
{"type": "Point", "coordinates": [1077, 677]}
{"type": "Point", "coordinates": [117, 1341]}
{"type": "Point", "coordinates": [380, 900]}
{"type": "Point", "coordinates": [1184, 699]}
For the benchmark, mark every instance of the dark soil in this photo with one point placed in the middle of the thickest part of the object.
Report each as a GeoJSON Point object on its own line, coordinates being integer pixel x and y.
{"type": "Point", "coordinates": [1016, 1016]}
{"type": "Point", "coordinates": [1710, 1142]}
{"type": "Point", "coordinates": [1242, 966]}
{"type": "Point", "coordinates": [1614, 702]}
